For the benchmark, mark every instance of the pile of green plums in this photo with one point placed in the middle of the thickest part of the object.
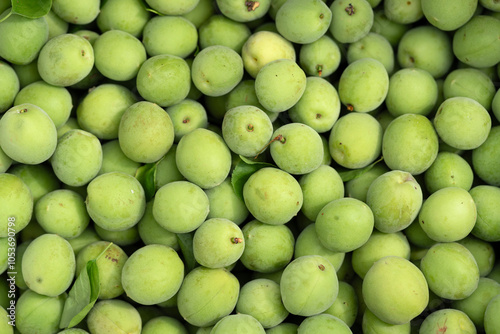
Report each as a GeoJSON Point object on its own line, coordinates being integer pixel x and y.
{"type": "Point", "coordinates": [236, 166]}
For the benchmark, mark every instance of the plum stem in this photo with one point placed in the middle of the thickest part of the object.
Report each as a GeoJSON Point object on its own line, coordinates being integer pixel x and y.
{"type": "Point", "coordinates": [319, 69]}
{"type": "Point", "coordinates": [278, 137]}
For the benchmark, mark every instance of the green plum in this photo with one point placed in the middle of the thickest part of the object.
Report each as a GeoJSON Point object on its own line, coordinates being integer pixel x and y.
{"type": "Point", "coordinates": [164, 79]}
{"type": "Point", "coordinates": [308, 243]}
{"type": "Point", "coordinates": [322, 323]}
{"type": "Point", "coordinates": [448, 214]}
{"type": "Point", "coordinates": [403, 11]}
{"type": "Point", "coordinates": [174, 35]}
{"type": "Point", "coordinates": [321, 57]}
{"type": "Point", "coordinates": [207, 295]}
{"type": "Point", "coordinates": [22, 38]}
{"type": "Point", "coordinates": [76, 13]}
{"type": "Point", "coordinates": [221, 30]}
{"type": "Point", "coordinates": [450, 270]}
{"type": "Point", "coordinates": [173, 7]}
{"type": "Point", "coordinates": [319, 187]}
{"type": "Point", "coordinates": [10, 86]}
{"type": "Point", "coordinates": [240, 323]}
{"type": "Point", "coordinates": [225, 203]}
{"type": "Point", "coordinates": [395, 290]}
{"type": "Point", "coordinates": [27, 134]}
{"type": "Point", "coordinates": [272, 196]}
{"type": "Point", "coordinates": [62, 212]}
{"type": "Point", "coordinates": [363, 85]}
{"type": "Point", "coordinates": [38, 313]}
{"type": "Point", "coordinates": [246, 130]}
{"type": "Point", "coordinates": [110, 265]}
{"type": "Point", "coordinates": [261, 298]}
{"type": "Point", "coordinates": [308, 285]}
{"type": "Point", "coordinates": [426, 47]}
{"type": "Point", "coordinates": [180, 206]}
{"type": "Point", "coordinates": [411, 91]}
{"type": "Point", "coordinates": [114, 316]}
{"type": "Point", "coordinates": [345, 307]}
{"type": "Point", "coordinates": [268, 248]}
{"type": "Point", "coordinates": [244, 11]}
{"type": "Point", "coordinates": [462, 122]}
{"type": "Point", "coordinates": [472, 83]}
{"type": "Point", "coordinates": [351, 20]}
{"type": "Point", "coordinates": [490, 318]}
{"type": "Point", "coordinates": [218, 243]}
{"type": "Point", "coordinates": [448, 169]}
{"type": "Point", "coordinates": [263, 47]}
{"type": "Point", "coordinates": [303, 22]}
{"type": "Point", "coordinates": [378, 246]}
{"type": "Point", "coordinates": [77, 158]}
{"type": "Point", "coordinates": [146, 132]}
{"type": "Point", "coordinates": [115, 99]}
{"type": "Point", "coordinates": [152, 274]}
{"type": "Point", "coordinates": [115, 201]}
{"type": "Point", "coordinates": [395, 199]}
{"type": "Point", "coordinates": [476, 43]}
{"type": "Point", "coordinates": [49, 265]}
{"type": "Point", "coordinates": [65, 60]}
{"type": "Point", "coordinates": [126, 15]}
{"type": "Point", "coordinates": [290, 142]}
{"type": "Point", "coordinates": [216, 70]}
{"type": "Point", "coordinates": [410, 143]}
{"type": "Point", "coordinates": [448, 15]}
{"type": "Point", "coordinates": [319, 106]}
{"type": "Point", "coordinates": [344, 224]}
{"type": "Point", "coordinates": [485, 158]}
{"type": "Point", "coordinates": [355, 140]}
{"type": "Point", "coordinates": [164, 324]}
{"type": "Point", "coordinates": [447, 319]}
{"type": "Point", "coordinates": [375, 46]}
{"type": "Point", "coordinates": [280, 84]}
{"type": "Point", "coordinates": [487, 226]}
{"type": "Point", "coordinates": [203, 158]}
{"type": "Point", "coordinates": [371, 324]}
{"type": "Point", "coordinates": [118, 55]}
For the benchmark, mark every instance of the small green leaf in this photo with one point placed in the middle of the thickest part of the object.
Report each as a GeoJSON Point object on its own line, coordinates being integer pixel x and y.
{"type": "Point", "coordinates": [146, 175]}
{"type": "Point", "coordinates": [83, 294]}
{"type": "Point", "coordinates": [351, 174]}
{"type": "Point", "coordinates": [243, 170]}
{"type": "Point", "coordinates": [185, 241]}
{"type": "Point", "coordinates": [32, 9]}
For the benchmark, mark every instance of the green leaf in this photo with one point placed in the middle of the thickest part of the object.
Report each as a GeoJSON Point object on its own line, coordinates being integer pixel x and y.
{"type": "Point", "coordinates": [243, 170]}
{"type": "Point", "coordinates": [83, 295]}
{"type": "Point", "coordinates": [32, 9]}
{"type": "Point", "coordinates": [146, 175]}
{"type": "Point", "coordinates": [185, 241]}
{"type": "Point", "coordinates": [351, 174]}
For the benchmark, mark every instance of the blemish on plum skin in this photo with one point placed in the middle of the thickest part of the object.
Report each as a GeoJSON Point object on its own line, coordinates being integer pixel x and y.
{"type": "Point", "coordinates": [321, 267]}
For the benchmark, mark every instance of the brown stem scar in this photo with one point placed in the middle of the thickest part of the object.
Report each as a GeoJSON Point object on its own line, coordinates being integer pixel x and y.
{"type": "Point", "coordinates": [252, 5]}
{"type": "Point", "coordinates": [236, 240]}
{"type": "Point", "coordinates": [350, 10]}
